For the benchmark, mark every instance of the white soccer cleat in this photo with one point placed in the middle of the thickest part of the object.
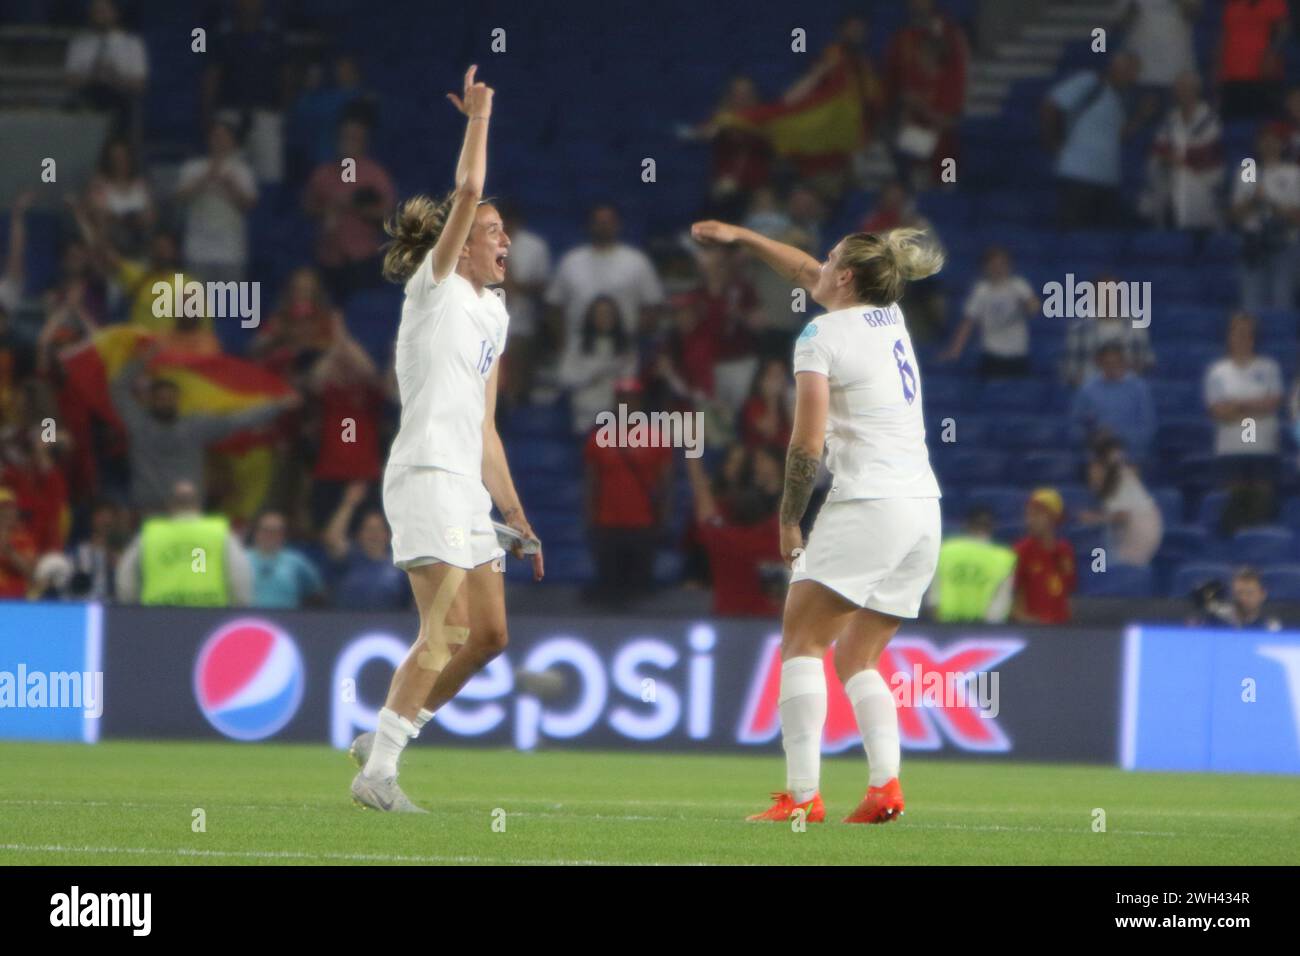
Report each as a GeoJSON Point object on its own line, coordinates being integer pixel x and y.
{"type": "Point", "coordinates": [383, 795]}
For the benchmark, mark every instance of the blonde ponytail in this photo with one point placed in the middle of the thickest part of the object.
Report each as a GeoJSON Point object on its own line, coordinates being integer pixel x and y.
{"type": "Point", "coordinates": [884, 263]}
{"type": "Point", "coordinates": [414, 228]}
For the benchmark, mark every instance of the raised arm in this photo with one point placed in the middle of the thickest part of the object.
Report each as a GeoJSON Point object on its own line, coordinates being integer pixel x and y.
{"type": "Point", "coordinates": [792, 264]}
{"type": "Point", "coordinates": [471, 173]}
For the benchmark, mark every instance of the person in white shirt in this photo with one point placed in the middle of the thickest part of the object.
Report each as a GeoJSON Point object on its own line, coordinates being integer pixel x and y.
{"type": "Point", "coordinates": [1132, 520]}
{"type": "Point", "coordinates": [1266, 211]}
{"type": "Point", "coordinates": [604, 266]}
{"type": "Point", "coordinates": [1160, 33]}
{"type": "Point", "coordinates": [106, 67]}
{"type": "Point", "coordinates": [1000, 306]}
{"type": "Point", "coordinates": [217, 191]}
{"type": "Point", "coordinates": [447, 466]}
{"type": "Point", "coordinates": [875, 545]}
{"type": "Point", "coordinates": [1243, 392]}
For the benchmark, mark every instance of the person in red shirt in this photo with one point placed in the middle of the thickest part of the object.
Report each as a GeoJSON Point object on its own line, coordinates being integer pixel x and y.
{"type": "Point", "coordinates": [765, 417]}
{"type": "Point", "coordinates": [350, 215]}
{"type": "Point", "coordinates": [743, 546]}
{"type": "Point", "coordinates": [627, 494]}
{"type": "Point", "coordinates": [1045, 571]}
{"type": "Point", "coordinates": [1251, 57]}
{"type": "Point", "coordinates": [17, 549]}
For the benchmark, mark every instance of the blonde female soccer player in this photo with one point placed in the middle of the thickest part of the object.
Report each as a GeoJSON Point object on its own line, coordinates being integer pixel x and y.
{"type": "Point", "coordinates": [447, 465]}
{"type": "Point", "coordinates": [873, 550]}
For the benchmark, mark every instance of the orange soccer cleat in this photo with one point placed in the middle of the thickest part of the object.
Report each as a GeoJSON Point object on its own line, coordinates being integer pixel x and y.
{"type": "Point", "coordinates": [880, 805]}
{"type": "Point", "coordinates": [783, 808]}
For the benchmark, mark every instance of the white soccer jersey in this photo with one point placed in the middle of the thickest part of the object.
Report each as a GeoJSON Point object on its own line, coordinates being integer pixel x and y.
{"type": "Point", "coordinates": [875, 433]}
{"type": "Point", "coordinates": [448, 342]}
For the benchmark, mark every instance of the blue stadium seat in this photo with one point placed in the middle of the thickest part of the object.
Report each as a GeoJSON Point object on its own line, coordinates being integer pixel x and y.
{"type": "Point", "coordinates": [1193, 574]}
{"type": "Point", "coordinates": [1170, 503]}
{"type": "Point", "coordinates": [1269, 544]}
{"type": "Point", "coordinates": [971, 466]}
{"type": "Point", "coordinates": [1282, 581]}
{"type": "Point", "coordinates": [1046, 468]}
{"type": "Point", "coordinates": [1027, 431]}
{"type": "Point", "coordinates": [1006, 503]}
{"type": "Point", "coordinates": [1118, 580]}
{"type": "Point", "coordinates": [1184, 542]}
{"type": "Point", "coordinates": [1211, 508]}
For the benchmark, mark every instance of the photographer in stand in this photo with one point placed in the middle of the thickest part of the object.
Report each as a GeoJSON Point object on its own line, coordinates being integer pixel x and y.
{"type": "Point", "coordinates": [1240, 609]}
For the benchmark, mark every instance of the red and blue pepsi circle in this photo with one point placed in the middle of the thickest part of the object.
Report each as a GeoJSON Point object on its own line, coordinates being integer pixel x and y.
{"type": "Point", "coordinates": [248, 679]}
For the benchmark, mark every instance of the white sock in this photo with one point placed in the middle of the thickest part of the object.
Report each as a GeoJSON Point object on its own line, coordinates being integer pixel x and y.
{"type": "Point", "coordinates": [803, 712]}
{"type": "Point", "coordinates": [392, 734]}
{"type": "Point", "coordinates": [422, 718]}
{"type": "Point", "coordinates": [877, 716]}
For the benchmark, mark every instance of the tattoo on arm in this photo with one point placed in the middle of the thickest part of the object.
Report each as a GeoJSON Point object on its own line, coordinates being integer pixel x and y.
{"type": "Point", "coordinates": [800, 476]}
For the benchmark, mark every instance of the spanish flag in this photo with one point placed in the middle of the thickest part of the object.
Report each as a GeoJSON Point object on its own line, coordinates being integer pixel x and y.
{"type": "Point", "coordinates": [214, 384]}
{"type": "Point", "coordinates": [826, 123]}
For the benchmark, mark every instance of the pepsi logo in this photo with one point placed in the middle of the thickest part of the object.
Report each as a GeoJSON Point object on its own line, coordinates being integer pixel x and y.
{"type": "Point", "coordinates": [248, 679]}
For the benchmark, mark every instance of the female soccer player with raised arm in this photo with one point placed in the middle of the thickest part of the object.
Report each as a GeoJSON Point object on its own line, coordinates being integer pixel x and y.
{"type": "Point", "coordinates": [873, 550]}
{"type": "Point", "coordinates": [447, 465]}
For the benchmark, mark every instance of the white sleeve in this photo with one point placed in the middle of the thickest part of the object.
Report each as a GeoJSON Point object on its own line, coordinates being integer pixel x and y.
{"type": "Point", "coordinates": [813, 350]}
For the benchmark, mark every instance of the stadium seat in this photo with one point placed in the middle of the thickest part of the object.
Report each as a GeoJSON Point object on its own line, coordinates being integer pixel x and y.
{"type": "Point", "coordinates": [1182, 543]}
{"type": "Point", "coordinates": [1282, 581]}
{"type": "Point", "coordinates": [1211, 509]}
{"type": "Point", "coordinates": [1118, 580]}
{"type": "Point", "coordinates": [1170, 503]}
{"type": "Point", "coordinates": [1047, 468]}
{"type": "Point", "coordinates": [1190, 576]}
{"type": "Point", "coordinates": [1006, 503]}
{"type": "Point", "coordinates": [971, 466]}
{"type": "Point", "coordinates": [1264, 545]}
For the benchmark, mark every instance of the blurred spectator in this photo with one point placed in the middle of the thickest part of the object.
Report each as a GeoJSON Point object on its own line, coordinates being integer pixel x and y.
{"type": "Point", "coordinates": [603, 356]}
{"type": "Point", "coordinates": [300, 329]}
{"type": "Point", "coordinates": [30, 471]}
{"type": "Point", "coordinates": [742, 155]}
{"type": "Point", "coordinates": [366, 577]}
{"type": "Point", "coordinates": [1159, 33]}
{"type": "Point", "coordinates": [1000, 306]}
{"type": "Point", "coordinates": [1240, 609]}
{"type": "Point", "coordinates": [807, 213]}
{"type": "Point", "coordinates": [166, 447]}
{"type": "Point", "coordinates": [1117, 403]}
{"type": "Point", "coordinates": [925, 67]}
{"type": "Point", "coordinates": [1266, 211]}
{"type": "Point", "coordinates": [1185, 169]}
{"type": "Point", "coordinates": [728, 306]}
{"type": "Point", "coordinates": [1287, 127]}
{"type": "Point", "coordinates": [217, 192]}
{"type": "Point", "coordinates": [1252, 57]}
{"type": "Point", "coordinates": [765, 418]}
{"type": "Point", "coordinates": [95, 559]}
{"type": "Point", "coordinates": [135, 278]}
{"type": "Point", "coordinates": [347, 401]}
{"type": "Point", "coordinates": [924, 301]}
{"type": "Point", "coordinates": [349, 213]}
{"type": "Point", "coordinates": [107, 67]}
{"type": "Point", "coordinates": [681, 371]}
{"type": "Point", "coordinates": [1045, 575]}
{"type": "Point", "coordinates": [17, 549]}
{"type": "Point", "coordinates": [14, 276]}
{"type": "Point", "coordinates": [118, 198]}
{"type": "Point", "coordinates": [1131, 517]}
{"type": "Point", "coordinates": [320, 106]}
{"type": "Point", "coordinates": [604, 265]}
{"type": "Point", "coordinates": [282, 576]}
{"type": "Point", "coordinates": [842, 65]}
{"type": "Point", "coordinates": [185, 558]}
{"type": "Point", "coordinates": [1084, 124]}
{"type": "Point", "coordinates": [1085, 335]}
{"type": "Point", "coordinates": [974, 578]}
{"type": "Point", "coordinates": [627, 506]}
{"type": "Point", "coordinates": [1243, 391]}
{"type": "Point", "coordinates": [765, 215]}
{"type": "Point", "coordinates": [528, 270]}
{"type": "Point", "coordinates": [742, 538]}
{"type": "Point", "coordinates": [247, 83]}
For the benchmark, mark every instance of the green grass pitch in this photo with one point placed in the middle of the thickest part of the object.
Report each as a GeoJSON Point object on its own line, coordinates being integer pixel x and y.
{"type": "Point", "coordinates": [134, 803]}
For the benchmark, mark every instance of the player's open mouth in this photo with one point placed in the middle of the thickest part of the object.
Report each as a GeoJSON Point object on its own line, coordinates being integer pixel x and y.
{"type": "Point", "coordinates": [501, 261]}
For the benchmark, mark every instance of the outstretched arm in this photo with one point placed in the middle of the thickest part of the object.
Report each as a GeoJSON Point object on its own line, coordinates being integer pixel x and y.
{"type": "Point", "coordinates": [471, 173]}
{"type": "Point", "coordinates": [790, 263]}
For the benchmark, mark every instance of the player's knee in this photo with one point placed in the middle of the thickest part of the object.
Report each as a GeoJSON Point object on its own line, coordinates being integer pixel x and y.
{"type": "Point", "coordinates": [492, 641]}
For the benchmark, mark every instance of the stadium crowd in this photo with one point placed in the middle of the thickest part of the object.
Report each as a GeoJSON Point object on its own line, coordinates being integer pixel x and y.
{"type": "Point", "coordinates": [119, 426]}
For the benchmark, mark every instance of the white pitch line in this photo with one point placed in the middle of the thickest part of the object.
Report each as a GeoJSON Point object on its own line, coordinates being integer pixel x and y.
{"type": "Point", "coordinates": [300, 855]}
